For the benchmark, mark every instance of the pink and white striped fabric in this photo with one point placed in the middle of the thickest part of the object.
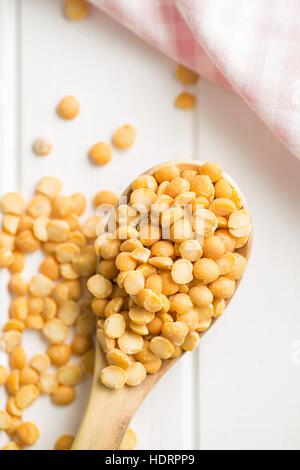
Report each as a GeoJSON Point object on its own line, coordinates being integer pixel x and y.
{"type": "Point", "coordinates": [252, 46]}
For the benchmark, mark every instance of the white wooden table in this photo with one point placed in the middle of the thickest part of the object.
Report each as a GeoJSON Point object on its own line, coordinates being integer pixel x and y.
{"type": "Point", "coordinates": [241, 389]}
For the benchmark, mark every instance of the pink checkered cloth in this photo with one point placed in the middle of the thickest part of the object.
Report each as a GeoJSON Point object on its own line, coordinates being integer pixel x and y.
{"type": "Point", "coordinates": [251, 45]}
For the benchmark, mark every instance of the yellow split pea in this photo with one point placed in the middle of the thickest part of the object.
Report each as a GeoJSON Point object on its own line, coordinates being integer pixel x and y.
{"type": "Point", "coordinates": [68, 108]}
{"type": "Point", "coordinates": [186, 75]}
{"type": "Point", "coordinates": [124, 136]}
{"type": "Point", "coordinates": [185, 101]}
{"type": "Point", "coordinates": [113, 377]}
{"type": "Point", "coordinates": [105, 197]}
{"type": "Point", "coordinates": [129, 441]}
{"type": "Point", "coordinates": [6, 258]}
{"type": "Point", "coordinates": [49, 186]}
{"type": "Point", "coordinates": [42, 146]}
{"type": "Point", "coordinates": [63, 395]}
{"type": "Point", "coordinates": [76, 9]}
{"type": "Point", "coordinates": [64, 442]}
{"type": "Point", "coordinates": [28, 433]}
{"type": "Point", "coordinates": [100, 153]}
{"type": "Point", "coordinates": [3, 375]}
{"type": "Point", "coordinates": [59, 354]}
{"type": "Point", "coordinates": [12, 203]}
{"type": "Point", "coordinates": [10, 223]}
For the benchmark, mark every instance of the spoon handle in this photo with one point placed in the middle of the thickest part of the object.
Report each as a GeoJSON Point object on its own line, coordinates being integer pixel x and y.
{"type": "Point", "coordinates": [105, 421]}
{"type": "Point", "coordinates": [109, 412]}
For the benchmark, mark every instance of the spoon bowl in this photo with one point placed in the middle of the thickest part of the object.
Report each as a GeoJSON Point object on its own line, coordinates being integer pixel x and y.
{"type": "Point", "coordinates": [109, 412]}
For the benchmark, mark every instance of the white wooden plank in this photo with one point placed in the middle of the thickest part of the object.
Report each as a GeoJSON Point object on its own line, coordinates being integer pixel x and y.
{"type": "Point", "coordinates": [8, 101]}
{"type": "Point", "coordinates": [249, 386]}
{"type": "Point", "coordinates": [117, 79]}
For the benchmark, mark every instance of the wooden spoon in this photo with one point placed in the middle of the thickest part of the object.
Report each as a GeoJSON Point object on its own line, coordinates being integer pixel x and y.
{"type": "Point", "coordinates": [109, 412]}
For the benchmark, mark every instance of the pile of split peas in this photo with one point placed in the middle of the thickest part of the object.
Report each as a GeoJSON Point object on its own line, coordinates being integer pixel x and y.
{"type": "Point", "coordinates": [54, 302]}
{"type": "Point", "coordinates": [167, 269]}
